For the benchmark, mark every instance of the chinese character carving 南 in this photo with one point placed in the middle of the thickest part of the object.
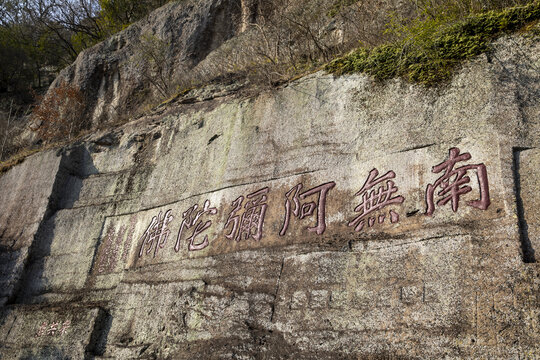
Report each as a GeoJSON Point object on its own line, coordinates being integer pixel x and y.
{"type": "Point", "coordinates": [376, 198]}
{"type": "Point", "coordinates": [250, 224]}
{"type": "Point", "coordinates": [192, 219]}
{"type": "Point", "coordinates": [301, 211]}
{"type": "Point", "coordinates": [157, 233]}
{"type": "Point", "coordinates": [452, 183]}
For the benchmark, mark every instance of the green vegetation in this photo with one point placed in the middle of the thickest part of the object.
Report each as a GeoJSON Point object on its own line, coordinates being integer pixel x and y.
{"type": "Point", "coordinates": [429, 48]}
{"type": "Point", "coordinates": [39, 37]}
{"type": "Point", "coordinates": [114, 16]}
{"type": "Point", "coordinates": [421, 40]}
{"type": "Point", "coordinates": [338, 5]}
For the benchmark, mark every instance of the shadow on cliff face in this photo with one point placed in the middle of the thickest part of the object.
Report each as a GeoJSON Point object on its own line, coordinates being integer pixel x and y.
{"type": "Point", "coordinates": [221, 25]}
{"type": "Point", "coordinates": [520, 71]}
{"type": "Point", "coordinates": [75, 165]}
{"type": "Point", "coordinates": [9, 267]}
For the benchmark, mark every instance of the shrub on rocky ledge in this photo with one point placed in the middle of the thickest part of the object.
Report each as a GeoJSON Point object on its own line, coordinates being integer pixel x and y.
{"type": "Point", "coordinates": [431, 49]}
{"type": "Point", "coordinates": [58, 115]}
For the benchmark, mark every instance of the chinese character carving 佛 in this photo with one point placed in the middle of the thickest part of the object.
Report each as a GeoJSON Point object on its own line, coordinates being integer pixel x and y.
{"type": "Point", "coordinates": [192, 218]}
{"type": "Point", "coordinates": [250, 224]}
{"type": "Point", "coordinates": [301, 211]}
{"type": "Point", "coordinates": [157, 233]}
{"type": "Point", "coordinates": [452, 183]}
{"type": "Point", "coordinates": [375, 198]}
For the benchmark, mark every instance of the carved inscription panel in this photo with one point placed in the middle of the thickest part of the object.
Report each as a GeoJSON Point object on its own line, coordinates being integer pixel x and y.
{"type": "Point", "coordinates": [400, 193]}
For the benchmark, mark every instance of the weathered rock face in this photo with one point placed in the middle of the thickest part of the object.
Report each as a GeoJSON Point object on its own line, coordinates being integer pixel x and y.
{"type": "Point", "coordinates": [160, 52]}
{"type": "Point", "coordinates": [113, 82]}
{"type": "Point", "coordinates": [332, 218]}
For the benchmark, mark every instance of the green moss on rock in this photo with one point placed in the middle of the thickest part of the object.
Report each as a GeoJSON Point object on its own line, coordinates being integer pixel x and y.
{"type": "Point", "coordinates": [430, 56]}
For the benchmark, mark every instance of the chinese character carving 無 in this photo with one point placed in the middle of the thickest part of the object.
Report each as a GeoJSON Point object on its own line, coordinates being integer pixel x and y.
{"type": "Point", "coordinates": [376, 198]}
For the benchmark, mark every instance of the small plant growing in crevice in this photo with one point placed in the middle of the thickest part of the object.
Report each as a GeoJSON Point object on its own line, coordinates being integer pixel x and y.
{"type": "Point", "coordinates": [151, 59]}
{"type": "Point", "coordinates": [58, 114]}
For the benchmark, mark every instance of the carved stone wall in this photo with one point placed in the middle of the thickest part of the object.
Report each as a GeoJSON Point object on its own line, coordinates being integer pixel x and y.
{"type": "Point", "coordinates": [331, 218]}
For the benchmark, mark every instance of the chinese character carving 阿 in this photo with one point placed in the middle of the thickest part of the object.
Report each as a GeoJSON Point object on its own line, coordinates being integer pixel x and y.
{"type": "Point", "coordinates": [375, 198]}
{"type": "Point", "coordinates": [157, 233]}
{"type": "Point", "coordinates": [250, 223]}
{"type": "Point", "coordinates": [192, 219]}
{"type": "Point", "coordinates": [452, 183]}
{"type": "Point", "coordinates": [294, 206]}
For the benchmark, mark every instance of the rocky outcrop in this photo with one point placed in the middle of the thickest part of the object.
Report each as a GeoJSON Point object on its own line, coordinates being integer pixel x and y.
{"type": "Point", "coordinates": [112, 81]}
{"type": "Point", "coordinates": [192, 41]}
{"type": "Point", "coordinates": [330, 218]}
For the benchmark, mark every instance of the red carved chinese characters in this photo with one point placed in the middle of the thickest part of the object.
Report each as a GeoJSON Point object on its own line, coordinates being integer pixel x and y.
{"type": "Point", "coordinates": [192, 219]}
{"type": "Point", "coordinates": [250, 224]}
{"type": "Point", "coordinates": [375, 198]}
{"type": "Point", "coordinates": [64, 327]}
{"type": "Point", "coordinates": [301, 211]}
{"type": "Point", "coordinates": [157, 233]}
{"type": "Point", "coordinates": [452, 183]}
{"type": "Point", "coordinates": [109, 250]}
{"type": "Point", "coordinates": [53, 329]}
{"type": "Point", "coordinates": [42, 330]}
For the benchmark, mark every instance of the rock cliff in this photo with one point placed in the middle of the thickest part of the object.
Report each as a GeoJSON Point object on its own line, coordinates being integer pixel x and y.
{"type": "Point", "coordinates": [185, 42]}
{"type": "Point", "coordinates": [330, 218]}
{"type": "Point", "coordinates": [110, 75]}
